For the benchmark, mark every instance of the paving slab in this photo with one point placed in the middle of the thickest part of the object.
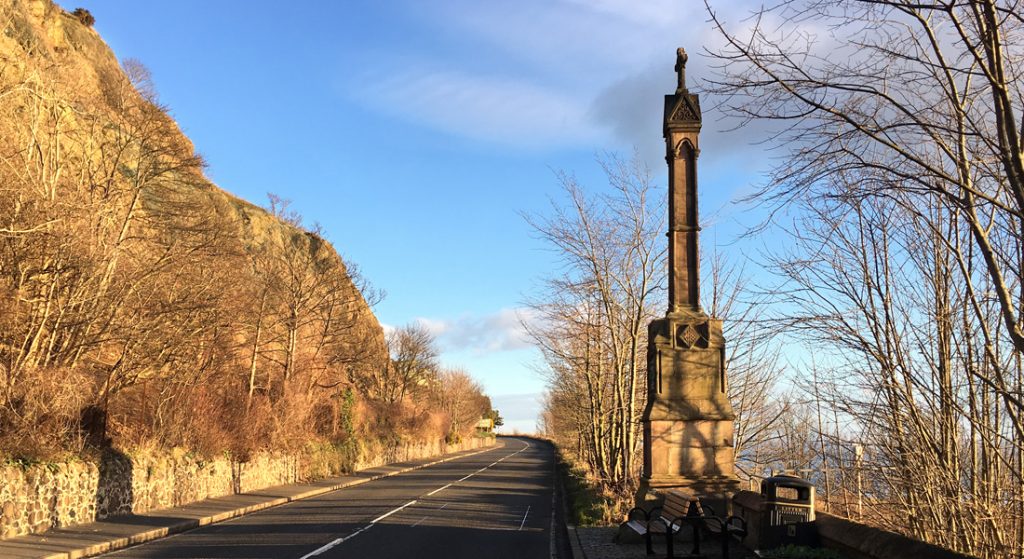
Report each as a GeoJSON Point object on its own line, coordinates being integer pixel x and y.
{"type": "Point", "coordinates": [94, 538]}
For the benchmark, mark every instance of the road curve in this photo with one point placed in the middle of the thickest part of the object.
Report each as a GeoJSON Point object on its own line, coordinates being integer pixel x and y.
{"type": "Point", "coordinates": [494, 504]}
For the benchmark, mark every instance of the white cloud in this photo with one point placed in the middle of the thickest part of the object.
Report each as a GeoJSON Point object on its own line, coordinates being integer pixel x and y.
{"type": "Point", "coordinates": [653, 13]}
{"type": "Point", "coordinates": [541, 74]}
{"type": "Point", "coordinates": [579, 43]}
{"type": "Point", "coordinates": [631, 108]}
{"type": "Point", "coordinates": [495, 332]}
{"type": "Point", "coordinates": [527, 73]}
{"type": "Point", "coordinates": [505, 110]}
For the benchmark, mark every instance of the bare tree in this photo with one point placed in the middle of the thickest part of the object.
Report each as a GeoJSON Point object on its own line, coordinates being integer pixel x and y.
{"type": "Point", "coordinates": [910, 101]}
{"type": "Point", "coordinates": [876, 292]}
{"type": "Point", "coordinates": [754, 362]}
{"type": "Point", "coordinates": [902, 121]}
{"type": "Point", "coordinates": [462, 399]}
{"type": "Point", "coordinates": [594, 317]}
{"type": "Point", "coordinates": [413, 363]}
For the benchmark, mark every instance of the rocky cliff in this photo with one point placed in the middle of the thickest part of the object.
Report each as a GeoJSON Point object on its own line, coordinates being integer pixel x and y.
{"type": "Point", "coordinates": [138, 300]}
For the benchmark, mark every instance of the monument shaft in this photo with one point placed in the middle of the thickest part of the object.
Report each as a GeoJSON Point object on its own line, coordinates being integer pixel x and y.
{"type": "Point", "coordinates": [688, 421]}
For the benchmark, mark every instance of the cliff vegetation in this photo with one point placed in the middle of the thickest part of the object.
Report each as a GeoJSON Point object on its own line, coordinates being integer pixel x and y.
{"type": "Point", "coordinates": [142, 306]}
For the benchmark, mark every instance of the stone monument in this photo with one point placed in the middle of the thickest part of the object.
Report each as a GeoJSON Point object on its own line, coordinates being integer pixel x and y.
{"type": "Point", "coordinates": [688, 421]}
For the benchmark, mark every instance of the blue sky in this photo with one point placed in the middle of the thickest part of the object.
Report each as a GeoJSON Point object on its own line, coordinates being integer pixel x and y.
{"type": "Point", "coordinates": [416, 133]}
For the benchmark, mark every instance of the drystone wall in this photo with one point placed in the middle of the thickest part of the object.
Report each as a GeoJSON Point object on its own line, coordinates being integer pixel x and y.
{"type": "Point", "coordinates": [38, 497]}
{"type": "Point", "coordinates": [379, 453]}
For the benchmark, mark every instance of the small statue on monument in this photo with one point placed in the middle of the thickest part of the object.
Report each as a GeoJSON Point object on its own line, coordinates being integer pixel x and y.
{"type": "Point", "coordinates": [681, 59]}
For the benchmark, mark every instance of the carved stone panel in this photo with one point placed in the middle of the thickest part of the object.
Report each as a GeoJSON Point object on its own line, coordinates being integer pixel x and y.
{"type": "Point", "coordinates": [692, 335]}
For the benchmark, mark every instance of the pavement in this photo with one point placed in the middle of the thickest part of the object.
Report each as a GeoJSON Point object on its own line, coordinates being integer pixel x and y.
{"type": "Point", "coordinates": [495, 502]}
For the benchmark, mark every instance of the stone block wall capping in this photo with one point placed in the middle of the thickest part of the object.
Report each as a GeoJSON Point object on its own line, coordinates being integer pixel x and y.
{"type": "Point", "coordinates": [860, 541]}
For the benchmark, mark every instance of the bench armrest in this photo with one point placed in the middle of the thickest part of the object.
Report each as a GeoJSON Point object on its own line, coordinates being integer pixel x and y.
{"type": "Point", "coordinates": [714, 524]}
{"type": "Point", "coordinates": [643, 512]}
{"type": "Point", "coordinates": [737, 526]}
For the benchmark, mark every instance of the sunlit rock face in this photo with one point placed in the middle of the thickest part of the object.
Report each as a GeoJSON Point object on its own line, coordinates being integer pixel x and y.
{"type": "Point", "coordinates": [61, 54]}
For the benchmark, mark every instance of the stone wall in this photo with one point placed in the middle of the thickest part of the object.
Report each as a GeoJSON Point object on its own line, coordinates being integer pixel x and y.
{"type": "Point", "coordinates": [852, 539]}
{"type": "Point", "coordinates": [35, 498]}
{"type": "Point", "coordinates": [860, 541]}
{"type": "Point", "coordinates": [379, 453]}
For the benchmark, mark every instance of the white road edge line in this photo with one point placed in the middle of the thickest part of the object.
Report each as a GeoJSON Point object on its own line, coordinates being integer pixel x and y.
{"type": "Point", "coordinates": [523, 523]}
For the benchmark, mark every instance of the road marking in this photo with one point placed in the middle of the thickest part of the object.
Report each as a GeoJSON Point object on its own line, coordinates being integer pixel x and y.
{"type": "Point", "coordinates": [339, 541]}
{"type": "Point", "coordinates": [446, 458]}
{"type": "Point", "coordinates": [523, 523]}
{"type": "Point", "coordinates": [389, 513]}
{"type": "Point", "coordinates": [336, 542]}
{"type": "Point", "coordinates": [439, 489]}
{"type": "Point", "coordinates": [426, 517]}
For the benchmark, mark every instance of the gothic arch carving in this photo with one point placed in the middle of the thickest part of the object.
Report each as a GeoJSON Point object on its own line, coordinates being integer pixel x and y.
{"type": "Point", "coordinates": [678, 149]}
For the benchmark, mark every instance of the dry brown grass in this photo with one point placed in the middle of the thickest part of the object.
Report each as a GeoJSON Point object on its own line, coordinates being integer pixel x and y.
{"type": "Point", "coordinates": [43, 415]}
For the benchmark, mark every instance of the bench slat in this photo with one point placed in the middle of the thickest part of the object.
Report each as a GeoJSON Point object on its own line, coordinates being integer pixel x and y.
{"type": "Point", "coordinates": [637, 526]}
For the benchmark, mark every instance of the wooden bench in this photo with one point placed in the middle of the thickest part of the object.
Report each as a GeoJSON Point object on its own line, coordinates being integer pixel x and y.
{"type": "Point", "coordinates": [679, 508]}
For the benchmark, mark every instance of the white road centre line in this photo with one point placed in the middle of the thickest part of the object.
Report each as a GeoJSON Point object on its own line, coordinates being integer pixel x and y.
{"type": "Point", "coordinates": [389, 513]}
{"type": "Point", "coordinates": [439, 489]}
{"type": "Point", "coordinates": [335, 543]}
{"type": "Point", "coordinates": [523, 523]}
{"type": "Point", "coordinates": [426, 517]}
{"type": "Point", "coordinates": [339, 541]}
{"type": "Point", "coordinates": [460, 480]}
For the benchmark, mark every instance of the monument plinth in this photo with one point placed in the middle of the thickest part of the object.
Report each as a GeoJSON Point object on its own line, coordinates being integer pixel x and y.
{"type": "Point", "coordinates": [688, 421]}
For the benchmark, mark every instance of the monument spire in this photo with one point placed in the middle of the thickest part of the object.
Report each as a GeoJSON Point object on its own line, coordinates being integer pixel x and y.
{"type": "Point", "coordinates": [682, 129]}
{"type": "Point", "coordinates": [688, 421]}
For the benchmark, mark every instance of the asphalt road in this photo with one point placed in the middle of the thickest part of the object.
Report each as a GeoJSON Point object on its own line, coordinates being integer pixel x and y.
{"type": "Point", "coordinates": [492, 505]}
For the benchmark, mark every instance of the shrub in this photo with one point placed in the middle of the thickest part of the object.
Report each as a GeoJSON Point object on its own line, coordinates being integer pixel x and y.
{"type": "Point", "coordinates": [84, 16]}
{"type": "Point", "coordinates": [42, 417]}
